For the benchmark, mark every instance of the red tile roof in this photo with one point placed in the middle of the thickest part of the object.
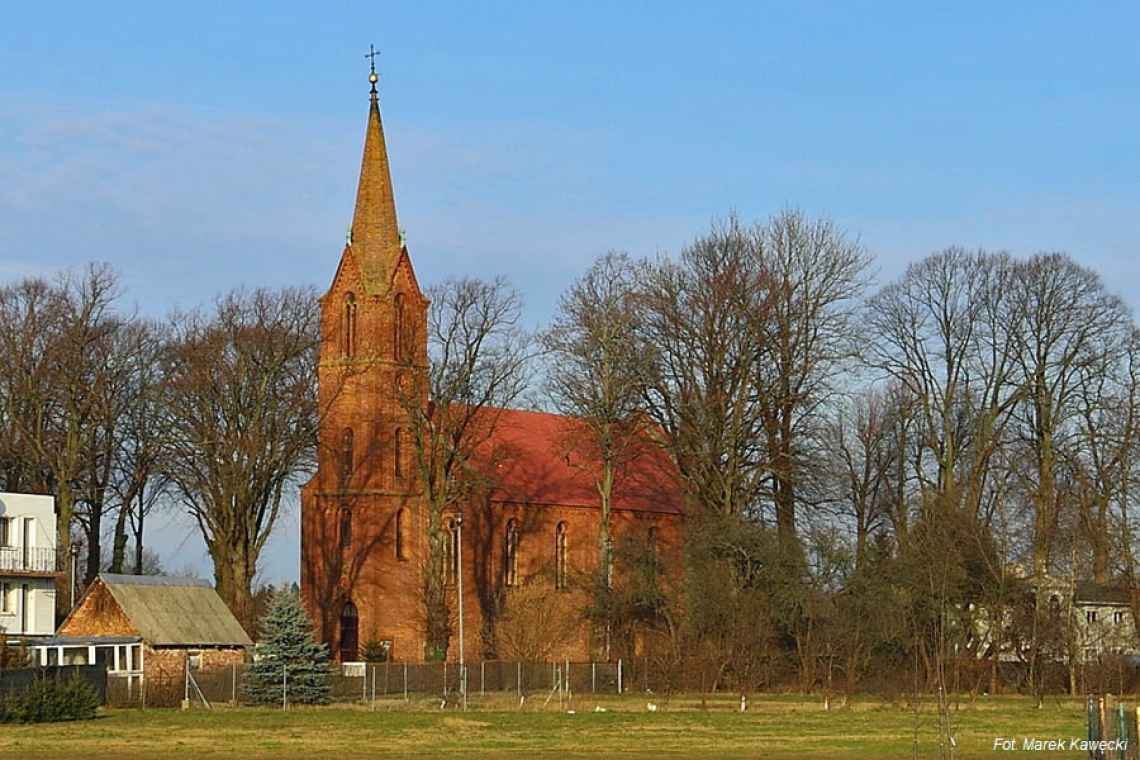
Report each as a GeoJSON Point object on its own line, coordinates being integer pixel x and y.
{"type": "Point", "coordinates": [531, 458]}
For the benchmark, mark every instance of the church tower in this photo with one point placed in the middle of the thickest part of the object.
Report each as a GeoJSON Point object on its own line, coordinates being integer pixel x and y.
{"type": "Point", "coordinates": [359, 512]}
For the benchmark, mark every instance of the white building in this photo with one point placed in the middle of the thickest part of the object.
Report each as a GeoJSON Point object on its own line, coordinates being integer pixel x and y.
{"type": "Point", "coordinates": [28, 567]}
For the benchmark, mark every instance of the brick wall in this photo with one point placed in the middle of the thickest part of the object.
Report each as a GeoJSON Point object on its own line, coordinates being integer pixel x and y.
{"type": "Point", "coordinates": [169, 663]}
{"type": "Point", "coordinates": [97, 615]}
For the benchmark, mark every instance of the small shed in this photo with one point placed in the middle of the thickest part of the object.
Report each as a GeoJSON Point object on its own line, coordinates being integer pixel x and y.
{"type": "Point", "coordinates": [148, 625]}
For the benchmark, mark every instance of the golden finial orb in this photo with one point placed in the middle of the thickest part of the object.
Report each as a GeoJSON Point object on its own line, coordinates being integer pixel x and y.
{"type": "Point", "coordinates": [373, 78]}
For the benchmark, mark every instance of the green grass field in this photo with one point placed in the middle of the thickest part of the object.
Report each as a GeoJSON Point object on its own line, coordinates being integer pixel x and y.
{"type": "Point", "coordinates": [774, 727]}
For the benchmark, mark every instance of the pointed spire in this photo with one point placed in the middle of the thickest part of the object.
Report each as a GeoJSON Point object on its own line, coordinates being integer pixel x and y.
{"type": "Point", "coordinates": [375, 235]}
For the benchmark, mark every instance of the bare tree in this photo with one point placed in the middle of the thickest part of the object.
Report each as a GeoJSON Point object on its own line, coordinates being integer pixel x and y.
{"type": "Point", "coordinates": [1063, 309]}
{"type": "Point", "coordinates": [858, 438]}
{"type": "Point", "coordinates": [138, 482]}
{"type": "Point", "coordinates": [243, 416]}
{"type": "Point", "coordinates": [700, 324]}
{"type": "Point", "coordinates": [594, 376]}
{"type": "Point", "coordinates": [56, 376]}
{"type": "Point", "coordinates": [478, 360]}
{"type": "Point", "coordinates": [817, 275]}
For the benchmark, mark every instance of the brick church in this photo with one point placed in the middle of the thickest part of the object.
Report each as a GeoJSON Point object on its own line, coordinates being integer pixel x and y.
{"type": "Point", "coordinates": [363, 517]}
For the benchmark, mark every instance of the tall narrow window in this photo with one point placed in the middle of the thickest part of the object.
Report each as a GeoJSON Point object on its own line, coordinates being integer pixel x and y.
{"type": "Point", "coordinates": [451, 560]}
{"type": "Point", "coordinates": [346, 457]}
{"type": "Point", "coordinates": [511, 553]}
{"type": "Point", "coordinates": [398, 452]}
{"type": "Point", "coordinates": [401, 534]}
{"type": "Point", "coordinates": [560, 556]}
{"type": "Point", "coordinates": [349, 325]}
{"type": "Point", "coordinates": [398, 328]}
{"type": "Point", "coordinates": [349, 632]}
{"type": "Point", "coordinates": [609, 560]}
{"type": "Point", "coordinates": [345, 528]}
{"type": "Point", "coordinates": [651, 546]}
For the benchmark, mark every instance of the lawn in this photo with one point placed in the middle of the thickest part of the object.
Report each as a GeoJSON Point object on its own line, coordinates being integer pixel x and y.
{"type": "Point", "coordinates": [774, 727]}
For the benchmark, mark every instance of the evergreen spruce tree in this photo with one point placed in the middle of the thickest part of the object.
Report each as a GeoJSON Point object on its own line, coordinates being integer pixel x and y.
{"type": "Point", "coordinates": [288, 645]}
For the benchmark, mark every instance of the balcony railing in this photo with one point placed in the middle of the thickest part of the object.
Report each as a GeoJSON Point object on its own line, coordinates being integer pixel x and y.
{"type": "Point", "coordinates": [27, 559]}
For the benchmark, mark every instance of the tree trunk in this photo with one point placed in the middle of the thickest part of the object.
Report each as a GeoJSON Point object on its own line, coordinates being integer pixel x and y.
{"type": "Point", "coordinates": [64, 509]}
{"type": "Point", "coordinates": [233, 577]}
{"type": "Point", "coordinates": [119, 543]}
{"type": "Point", "coordinates": [94, 543]}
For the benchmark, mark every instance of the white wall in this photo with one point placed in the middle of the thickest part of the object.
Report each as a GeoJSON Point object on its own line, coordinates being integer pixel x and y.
{"type": "Point", "coordinates": [40, 598]}
{"type": "Point", "coordinates": [41, 508]}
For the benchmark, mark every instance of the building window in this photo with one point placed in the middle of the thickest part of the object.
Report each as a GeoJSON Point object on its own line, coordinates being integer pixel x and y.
{"type": "Point", "coordinates": [651, 547]}
{"type": "Point", "coordinates": [451, 552]}
{"type": "Point", "coordinates": [401, 534]}
{"type": "Point", "coordinates": [6, 535]}
{"type": "Point", "coordinates": [1090, 616]}
{"type": "Point", "coordinates": [1118, 617]}
{"type": "Point", "coordinates": [349, 633]}
{"type": "Point", "coordinates": [609, 560]}
{"type": "Point", "coordinates": [349, 325]}
{"type": "Point", "coordinates": [398, 328]}
{"type": "Point", "coordinates": [345, 527]}
{"type": "Point", "coordinates": [5, 597]}
{"type": "Point", "coordinates": [398, 452]}
{"type": "Point", "coordinates": [560, 558]}
{"type": "Point", "coordinates": [346, 457]}
{"type": "Point", "coordinates": [511, 553]}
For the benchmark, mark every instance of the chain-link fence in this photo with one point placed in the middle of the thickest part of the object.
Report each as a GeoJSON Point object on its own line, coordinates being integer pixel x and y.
{"type": "Point", "coordinates": [366, 682]}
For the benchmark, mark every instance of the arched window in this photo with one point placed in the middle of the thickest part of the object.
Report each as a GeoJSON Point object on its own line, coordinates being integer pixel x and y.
{"type": "Point", "coordinates": [651, 545]}
{"type": "Point", "coordinates": [349, 632]}
{"type": "Point", "coordinates": [401, 534]}
{"type": "Point", "coordinates": [511, 553]}
{"type": "Point", "coordinates": [609, 568]}
{"type": "Point", "coordinates": [561, 561]}
{"type": "Point", "coordinates": [346, 457]}
{"type": "Point", "coordinates": [451, 552]}
{"type": "Point", "coordinates": [398, 452]}
{"type": "Point", "coordinates": [345, 527]}
{"type": "Point", "coordinates": [349, 334]}
{"type": "Point", "coordinates": [398, 328]}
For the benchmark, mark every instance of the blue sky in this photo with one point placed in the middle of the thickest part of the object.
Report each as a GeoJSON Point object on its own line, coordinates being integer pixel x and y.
{"type": "Point", "coordinates": [203, 146]}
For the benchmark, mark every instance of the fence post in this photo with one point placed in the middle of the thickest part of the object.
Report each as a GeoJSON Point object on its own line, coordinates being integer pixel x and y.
{"type": "Point", "coordinates": [233, 675]}
{"type": "Point", "coordinates": [518, 677]}
{"type": "Point", "coordinates": [1121, 731]}
{"type": "Point", "coordinates": [284, 687]}
{"type": "Point", "coordinates": [619, 675]}
{"type": "Point", "coordinates": [445, 678]}
{"type": "Point", "coordinates": [482, 677]}
{"type": "Point", "coordinates": [405, 682]}
{"type": "Point", "coordinates": [374, 687]}
{"type": "Point", "coordinates": [593, 677]}
{"type": "Point", "coordinates": [364, 685]}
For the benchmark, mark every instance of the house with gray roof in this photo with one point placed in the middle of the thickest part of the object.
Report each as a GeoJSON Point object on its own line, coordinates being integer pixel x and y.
{"type": "Point", "coordinates": [148, 626]}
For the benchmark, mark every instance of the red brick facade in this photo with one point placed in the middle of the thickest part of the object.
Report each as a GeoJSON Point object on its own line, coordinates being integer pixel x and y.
{"type": "Point", "coordinates": [363, 520]}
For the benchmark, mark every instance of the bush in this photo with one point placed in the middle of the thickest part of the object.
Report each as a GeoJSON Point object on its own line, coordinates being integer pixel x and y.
{"type": "Point", "coordinates": [49, 700]}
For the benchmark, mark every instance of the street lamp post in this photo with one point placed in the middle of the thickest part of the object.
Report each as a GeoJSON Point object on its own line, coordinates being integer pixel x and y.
{"type": "Point", "coordinates": [74, 573]}
{"type": "Point", "coordinates": [459, 586]}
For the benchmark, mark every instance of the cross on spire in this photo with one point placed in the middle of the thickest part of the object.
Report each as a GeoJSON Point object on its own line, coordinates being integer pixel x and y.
{"type": "Point", "coordinates": [371, 56]}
